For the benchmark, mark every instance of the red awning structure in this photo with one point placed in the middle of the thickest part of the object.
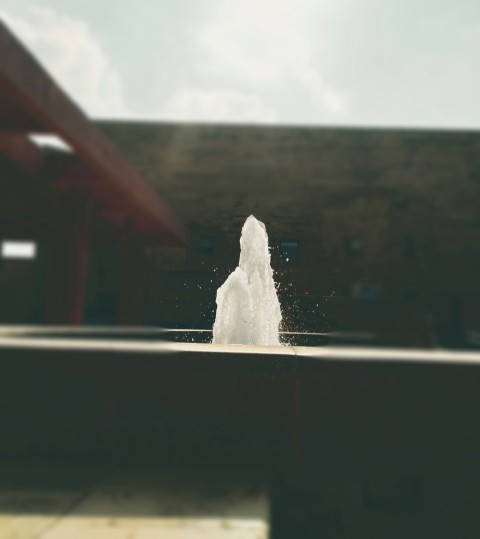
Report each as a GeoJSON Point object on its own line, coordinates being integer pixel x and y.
{"type": "Point", "coordinates": [32, 103]}
{"type": "Point", "coordinates": [92, 179]}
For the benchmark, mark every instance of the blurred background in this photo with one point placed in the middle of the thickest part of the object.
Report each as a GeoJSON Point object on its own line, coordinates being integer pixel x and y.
{"type": "Point", "coordinates": [350, 130]}
{"type": "Point", "coordinates": [135, 139]}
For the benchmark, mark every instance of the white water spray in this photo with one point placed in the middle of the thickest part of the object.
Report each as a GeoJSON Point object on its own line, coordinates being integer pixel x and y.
{"type": "Point", "coordinates": [248, 310]}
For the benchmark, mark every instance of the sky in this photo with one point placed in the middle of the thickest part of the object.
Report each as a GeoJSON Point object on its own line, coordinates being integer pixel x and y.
{"type": "Point", "coordinates": [385, 63]}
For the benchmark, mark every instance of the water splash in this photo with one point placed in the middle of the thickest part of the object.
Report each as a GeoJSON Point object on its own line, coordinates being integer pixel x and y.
{"type": "Point", "coordinates": [248, 310]}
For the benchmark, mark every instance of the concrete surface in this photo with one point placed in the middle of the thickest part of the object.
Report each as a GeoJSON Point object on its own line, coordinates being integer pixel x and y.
{"type": "Point", "coordinates": [136, 504]}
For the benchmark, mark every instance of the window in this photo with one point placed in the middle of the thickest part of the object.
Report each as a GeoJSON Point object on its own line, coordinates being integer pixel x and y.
{"type": "Point", "coordinates": [366, 292]}
{"type": "Point", "coordinates": [19, 250]}
{"type": "Point", "coordinates": [205, 245]}
{"type": "Point", "coordinates": [289, 249]}
{"type": "Point", "coordinates": [354, 246]}
{"type": "Point", "coordinates": [410, 247]}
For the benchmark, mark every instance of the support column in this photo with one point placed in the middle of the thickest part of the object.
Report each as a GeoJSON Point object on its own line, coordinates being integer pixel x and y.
{"type": "Point", "coordinates": [131, 293]}
{"type": "Point", "coordinates": [67, 262]}
{"type": "Point", "coordinates": [297, 420]}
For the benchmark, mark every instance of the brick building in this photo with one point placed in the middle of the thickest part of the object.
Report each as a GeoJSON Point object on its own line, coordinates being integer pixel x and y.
{"type": "Point", "coordinates": [375, 231]}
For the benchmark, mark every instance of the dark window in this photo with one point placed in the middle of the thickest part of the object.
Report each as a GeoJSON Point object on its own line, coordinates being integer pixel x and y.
{"type": "Point", "coordinates": [409, 294]}
{"type": "Point", "coordinates": [410, 247]}
{"type": "Point", "coordinates": [289, 249]}
{"type": "Point", "coordinates": [205, 245]}
{"type": "Point", "coordinates": [401, 495]}
{"type": "Point", "coordinates": [354, 246]}
{"type": "Point", "coordinates": [366, 292]}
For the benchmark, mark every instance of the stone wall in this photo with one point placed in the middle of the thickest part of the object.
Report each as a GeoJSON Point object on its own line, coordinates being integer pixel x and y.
{"type": "Point", "coordinates": [382, 212]}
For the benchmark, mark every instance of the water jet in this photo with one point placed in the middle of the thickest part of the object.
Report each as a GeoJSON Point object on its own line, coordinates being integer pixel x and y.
{"type": "Point", "coordinates": [248, 310]}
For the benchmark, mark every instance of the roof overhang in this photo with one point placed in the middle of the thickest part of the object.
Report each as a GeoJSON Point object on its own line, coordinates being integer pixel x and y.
{"type": "Point", "coordinates": [32, 103]}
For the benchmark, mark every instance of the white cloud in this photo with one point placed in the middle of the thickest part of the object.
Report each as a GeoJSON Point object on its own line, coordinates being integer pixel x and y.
{"type": "Point", "coordinates": [218, 105]}
{"type": "Point", "coordinates": [257, 62]}
{"type": "Point", "coordinates": [334, 62]}
{"type": "Point", "coordinates": [271, 47]}
{"type": "Point", "coordinates": [70, 52]}
{"type": "Point", "coordinates": [249, 61]}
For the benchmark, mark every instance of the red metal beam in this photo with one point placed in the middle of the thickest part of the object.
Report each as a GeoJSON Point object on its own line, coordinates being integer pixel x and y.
{"type": "Point", "coordinates": [67, 262]}
{"type": "Point", "coordinates": [25, 83]}
{"type": "Point", "coordinates": [131, 287]}
{"type": "Point", "coordinates": [14, 119]}
{"type": "Point", "coordinates": [23, 151]}
{"type": "Point", "coordinates": [80, 179]}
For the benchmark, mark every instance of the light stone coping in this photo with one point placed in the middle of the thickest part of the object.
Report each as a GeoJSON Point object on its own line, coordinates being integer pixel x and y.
{"type": "Point", "coordinates": [15, 338]}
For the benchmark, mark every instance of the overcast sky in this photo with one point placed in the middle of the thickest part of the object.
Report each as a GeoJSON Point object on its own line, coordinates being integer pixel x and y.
{"type": "Point", "coordinates": [411, 63]}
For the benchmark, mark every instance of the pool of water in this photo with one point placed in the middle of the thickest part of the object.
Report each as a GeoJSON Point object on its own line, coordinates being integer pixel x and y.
{"type": "Point", "coordinates": [180, 335]}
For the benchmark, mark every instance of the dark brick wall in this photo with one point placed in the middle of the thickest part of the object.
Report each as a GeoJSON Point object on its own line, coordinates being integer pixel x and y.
{"type": "Point", "coordinates": [408, 201]}
{"type": "Point", "coordinates": [387, 224]}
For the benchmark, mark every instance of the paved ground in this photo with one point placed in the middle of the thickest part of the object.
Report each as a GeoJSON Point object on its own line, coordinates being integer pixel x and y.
{"type": "Point", "coordinates": [38, 502]}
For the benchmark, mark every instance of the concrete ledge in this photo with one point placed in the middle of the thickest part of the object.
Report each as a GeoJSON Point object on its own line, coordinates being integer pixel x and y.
{"type": "Point", "coordinates": [35, 338]}
{"type": "Point", "coordinates": [354, 410]}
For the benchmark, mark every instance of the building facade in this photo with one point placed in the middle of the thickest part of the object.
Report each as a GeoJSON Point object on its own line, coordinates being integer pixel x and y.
{"type": "Point", "coordinates": [375, 231]}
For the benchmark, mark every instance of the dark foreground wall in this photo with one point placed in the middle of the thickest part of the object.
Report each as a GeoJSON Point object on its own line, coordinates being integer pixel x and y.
{"type": "Point", "coordinates": [349, 410]}
{"type": "Point", "coordinates": [364, 443]}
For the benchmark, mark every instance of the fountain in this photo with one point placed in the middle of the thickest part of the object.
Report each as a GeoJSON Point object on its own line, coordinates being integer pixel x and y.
{"type": "Point", "coordinates": [248, 310]}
